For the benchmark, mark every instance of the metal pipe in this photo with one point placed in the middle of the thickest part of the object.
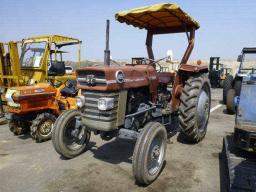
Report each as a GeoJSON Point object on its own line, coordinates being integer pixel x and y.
{"type": "Point", "coordinates": [149, 41]}
{"type": "Point", "coordinates": [107, 51]}
{"type": "Point", "coordinates": [140, 112]}
{"type": "Point", "coordinates": [190, 47]}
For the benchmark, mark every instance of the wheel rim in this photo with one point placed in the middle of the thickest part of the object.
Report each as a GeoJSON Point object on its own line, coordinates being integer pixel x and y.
{"type": "Point", "coordinates": [156, 154]}
{"type": "Point", "coordinates": [74, 135]}
{"type": "Point", "coordinates": [203, 110]}
{"type": "Point", "coordinates": [46, 128]}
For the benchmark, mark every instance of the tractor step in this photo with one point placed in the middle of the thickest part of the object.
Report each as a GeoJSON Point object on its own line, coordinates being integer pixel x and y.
{"type": "Point", "coordinates": [241, 167]}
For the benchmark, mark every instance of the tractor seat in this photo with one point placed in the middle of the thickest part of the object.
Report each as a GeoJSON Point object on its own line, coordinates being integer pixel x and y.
{"type": "Point", "coordinates": [70, 90]}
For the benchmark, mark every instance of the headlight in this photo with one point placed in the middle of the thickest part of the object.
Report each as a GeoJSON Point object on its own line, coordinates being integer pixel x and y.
{"type": "Point", "coordinates": [9, 97]}
{"type": "Point", "coordinates": [105, 103]}
{"type": "Point", "coordinates": [80, 101]}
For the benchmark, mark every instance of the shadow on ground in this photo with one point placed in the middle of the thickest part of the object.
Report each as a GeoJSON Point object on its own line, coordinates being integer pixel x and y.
{"type": "Point", "coordinates": [115, 151]}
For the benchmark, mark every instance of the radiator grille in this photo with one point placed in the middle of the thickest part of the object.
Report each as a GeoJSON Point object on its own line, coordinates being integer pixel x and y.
{"type": "Point", "coordinates": [91, 110]}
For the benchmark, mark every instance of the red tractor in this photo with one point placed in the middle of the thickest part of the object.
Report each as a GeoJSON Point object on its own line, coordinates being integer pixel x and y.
{"type": "Point", "coordinates": [137, 101]}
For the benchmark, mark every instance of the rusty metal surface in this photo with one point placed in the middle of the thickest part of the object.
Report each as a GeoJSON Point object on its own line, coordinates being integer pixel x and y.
{"type": "Point", "coordinates": [135, 76]}
{"type": "Point", "coordinates": [193, 68]}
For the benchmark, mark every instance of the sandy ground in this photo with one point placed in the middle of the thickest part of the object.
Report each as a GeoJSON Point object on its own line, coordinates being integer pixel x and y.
{"type": "Point", "coordinates": [106, 166]}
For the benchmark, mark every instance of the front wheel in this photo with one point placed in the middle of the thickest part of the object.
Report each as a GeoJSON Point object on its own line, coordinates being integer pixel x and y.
{"type": "Point", "coordinates": [221, 83]}
{"type": "Point", "coordinates": [231, 109]}
{"type": "Point", "coordinates": [226, 86]}
{"type": "Point", "coordinates": [41, 128]}
{"type": "Point", "coordinates": [194, 109]}
{"type": "Point", "coordinates": [149, 153]}
{"type": "Point", "coordinates": [70, 137]}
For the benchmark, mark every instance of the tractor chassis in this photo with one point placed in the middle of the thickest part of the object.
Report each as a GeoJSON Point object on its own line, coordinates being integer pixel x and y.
{"type": "Point", "coordinates": [129, 131]}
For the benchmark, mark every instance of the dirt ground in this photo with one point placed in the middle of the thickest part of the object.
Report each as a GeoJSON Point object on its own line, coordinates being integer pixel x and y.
{"type": "Point", "coordinates": [106, 166]}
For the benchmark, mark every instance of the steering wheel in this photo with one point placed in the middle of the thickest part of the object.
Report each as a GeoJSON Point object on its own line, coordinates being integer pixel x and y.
{"type": "Point", "coordinates": [57, 84]}
{"type": "Point", "coordinates": [155, 62]}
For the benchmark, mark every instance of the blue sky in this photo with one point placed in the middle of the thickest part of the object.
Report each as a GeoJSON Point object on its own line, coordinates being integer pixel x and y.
{"type": "Point", "coordinates": [226, 26]}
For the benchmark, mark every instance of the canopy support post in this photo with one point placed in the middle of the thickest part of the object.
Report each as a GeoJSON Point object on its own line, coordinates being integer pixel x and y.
{"type": "Point", "coordinates": [191, 41]}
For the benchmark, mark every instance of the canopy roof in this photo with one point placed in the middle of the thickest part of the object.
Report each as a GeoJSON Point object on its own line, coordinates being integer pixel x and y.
{"type": "Point", "coordinates": [158, 18]}
{"type": "Point", "coordinates": [50, 38]}
{"type": "Point", "coordinates": [249, 50]}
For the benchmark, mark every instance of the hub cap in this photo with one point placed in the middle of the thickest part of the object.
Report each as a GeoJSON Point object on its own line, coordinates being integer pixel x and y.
{"type": "Point", "coordinates": [74, 135]}
{"type": "Point", "coordinates": [46, 128]}
{"type": "Point", "coordinates": [203, 110]}
{"type": "Point", "coordinates": [156, 154]}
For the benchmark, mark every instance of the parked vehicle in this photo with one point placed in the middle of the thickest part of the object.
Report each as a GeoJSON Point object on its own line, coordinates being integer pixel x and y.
{"type": "Point", "coordinates": [46, 89]}
{"type": "Point", "coordinates": [217, 72]}
{"type": "Point", "coordinates": [232, 86]}
{"type": "Point", "coordinates": [134, 102]}
{"type": "Point", "coordinates": [240, 148]}
{"type": "Point", "coordinates": [40, 59]}
{"type": "Point", "coordinates": [35, 108]}
{"type": "Point", "coordinates": [34, 63]}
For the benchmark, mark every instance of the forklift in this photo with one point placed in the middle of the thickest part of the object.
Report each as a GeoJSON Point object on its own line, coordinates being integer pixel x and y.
{"type": "Point", "coordinates": [217, 72]}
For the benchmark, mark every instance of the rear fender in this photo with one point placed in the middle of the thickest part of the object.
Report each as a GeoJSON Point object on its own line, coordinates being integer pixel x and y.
{"type": "Point", "coordinates": [193, 68]}
{"type": "Point", "coordinates": [180, 78]}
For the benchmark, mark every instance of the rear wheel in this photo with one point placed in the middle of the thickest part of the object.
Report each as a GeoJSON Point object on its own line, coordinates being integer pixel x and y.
{"type": "Point", "coordinates": [70, 138]}
{"type": "Point", "coordinates": [231, 109]}
{"type": "Point", "coordinates": [226, 86]}
{"type": "Point", "coordinates": [41, 128]}
{"type": "Point", "coordinates": [194, 108]}
{"type": "Point", "coordinates": [149, 153]}
{"type": "Point", "coordinates": [221, 83]}
{"type": "Point", "coordinates": [237, 87]}
{"type": "Point", "coordinates": [18, 127]}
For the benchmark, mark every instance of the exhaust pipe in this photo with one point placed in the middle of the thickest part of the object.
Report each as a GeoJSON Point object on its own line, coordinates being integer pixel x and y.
{"type": "Point", "coordinates": [107, 51]}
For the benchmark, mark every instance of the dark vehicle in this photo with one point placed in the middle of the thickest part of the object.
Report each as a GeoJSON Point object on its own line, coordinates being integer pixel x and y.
{"type": "Point", "coordinates": [240, 148]}
{"type": "Point", "coordinates": [232, 86]}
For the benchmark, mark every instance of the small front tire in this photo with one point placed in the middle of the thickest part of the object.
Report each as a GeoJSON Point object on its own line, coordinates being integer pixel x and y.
{"type": "Point", "coordinates": [149, 153]}
{"type": "Point", "coordinates": [41, 128]}
{"type": "Point", "coordinates": [70, 138]}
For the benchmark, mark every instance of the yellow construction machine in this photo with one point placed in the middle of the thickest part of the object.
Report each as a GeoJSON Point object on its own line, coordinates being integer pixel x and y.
{"type": "Point", "coordinates": [40, 60]}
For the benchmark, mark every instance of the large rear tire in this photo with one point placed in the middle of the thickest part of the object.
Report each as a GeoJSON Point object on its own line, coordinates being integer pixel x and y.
{"type": "Point", "coordinates": [69, 138]}
{"type": "Point", "coordinates": [231, 109]}
{"type": "Point", "coordinates": [226, 86]}
{"type": "Point", "coordinates": [149, 153]}
{"type": "Point", "coordinates": [194, 110]}
{"type": "Point", "coordinates": [41, 128]}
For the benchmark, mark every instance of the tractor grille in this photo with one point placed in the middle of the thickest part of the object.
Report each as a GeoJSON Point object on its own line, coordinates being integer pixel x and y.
{"type": "Point", "coordinates": [91, 110]}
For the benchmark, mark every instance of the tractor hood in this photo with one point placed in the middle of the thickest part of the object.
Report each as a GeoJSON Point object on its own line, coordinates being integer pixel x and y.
{"type": "Point", "coordinates": [42, 90]}
{"type": "Point", "coordinates": [103, 78]}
